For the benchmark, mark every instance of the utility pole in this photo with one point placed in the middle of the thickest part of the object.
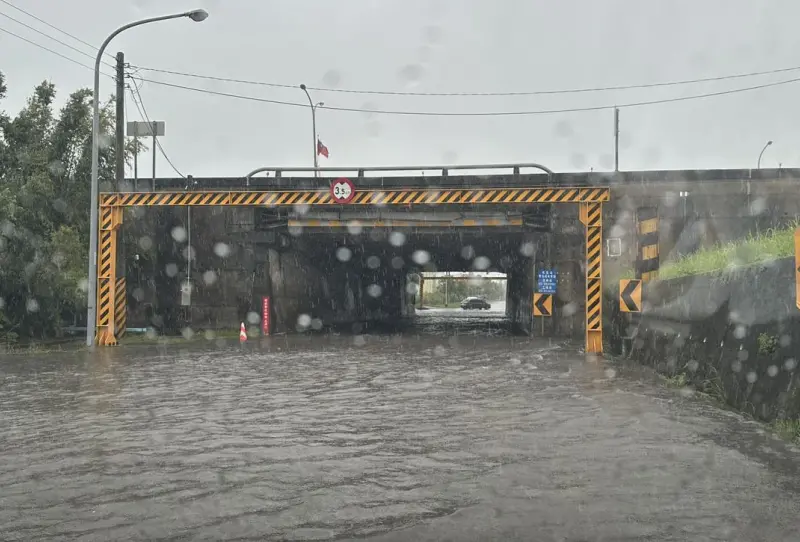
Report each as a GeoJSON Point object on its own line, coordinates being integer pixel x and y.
{"type": "Point", "coordinates": [616, 139]}
{"type": "Point", "coordinates": [186, 293]}
{"type": "Point", "coordinates": [154, 131]}
{"type": "Point", "coordinates": [120, 122]}
{"type": "Point", "coordinates": [119, 154]}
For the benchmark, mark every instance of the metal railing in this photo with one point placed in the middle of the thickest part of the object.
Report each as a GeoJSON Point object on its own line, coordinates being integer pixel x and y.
{"type": "Point", "coordinates": [362, 171]}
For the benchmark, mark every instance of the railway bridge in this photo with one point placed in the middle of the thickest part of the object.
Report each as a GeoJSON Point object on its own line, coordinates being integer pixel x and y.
{"type": "Point", "coordinates": [347, 245]}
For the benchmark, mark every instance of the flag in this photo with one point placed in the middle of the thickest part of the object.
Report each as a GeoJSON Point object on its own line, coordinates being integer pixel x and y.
{"type": "Point", "coordinates": [322, 149]}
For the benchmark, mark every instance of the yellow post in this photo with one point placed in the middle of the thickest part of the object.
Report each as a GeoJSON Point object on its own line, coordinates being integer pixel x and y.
{"type": "Point", "coordinates": [110, 221]}
{"type": "Point", "coordinates": [647, 263]}
{"type": "Point", "coordinates": [591, 215]}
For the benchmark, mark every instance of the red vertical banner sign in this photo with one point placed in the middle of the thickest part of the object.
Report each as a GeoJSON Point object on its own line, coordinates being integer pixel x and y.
{"type": "Point", "coordinates": [265, 315]}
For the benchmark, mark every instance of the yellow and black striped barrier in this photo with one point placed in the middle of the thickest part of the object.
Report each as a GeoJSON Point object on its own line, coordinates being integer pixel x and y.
{"type": "Point", "coordinates": [647, 261]}
{"type": "Point", "coordinates": [431, 196]}
{"type": "Point", "coordinates": [120, 309]}
{"type": "Point", "coordinates": [591, 215]}
{"type": "Point", "coordinates": [111, 298]}
{"type": "Point", "coordinates": [107, 300]}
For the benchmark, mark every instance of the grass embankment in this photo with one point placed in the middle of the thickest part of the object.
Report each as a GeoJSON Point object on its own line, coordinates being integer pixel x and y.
{"type": "Point", "coordinates": [787, 429]}
{"type": "Point", "coordinates": [753, 250]}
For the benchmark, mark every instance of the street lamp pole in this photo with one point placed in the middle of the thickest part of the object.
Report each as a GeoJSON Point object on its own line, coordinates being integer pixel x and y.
{"type": "Point", "coordinates": [313, 126]}
{"type": "Point", "coordinates": [197, 15]}
{"type": "Point", "coordinates": [762, 153]}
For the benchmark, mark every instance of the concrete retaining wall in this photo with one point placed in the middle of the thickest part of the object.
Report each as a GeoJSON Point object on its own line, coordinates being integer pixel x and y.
{"type": "Point", "coordinates": [735, 335]}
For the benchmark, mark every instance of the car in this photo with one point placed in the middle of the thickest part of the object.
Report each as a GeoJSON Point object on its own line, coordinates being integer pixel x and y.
{"type": "Point", "coordinates": [475, 303]}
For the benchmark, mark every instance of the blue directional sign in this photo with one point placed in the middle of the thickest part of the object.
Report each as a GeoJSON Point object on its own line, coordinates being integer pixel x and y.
{"type": "Point", "coordinates": [547, 280]}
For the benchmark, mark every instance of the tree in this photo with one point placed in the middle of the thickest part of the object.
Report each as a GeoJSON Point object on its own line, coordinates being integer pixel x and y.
{"type": "Point", "coordinates": [44, 209]}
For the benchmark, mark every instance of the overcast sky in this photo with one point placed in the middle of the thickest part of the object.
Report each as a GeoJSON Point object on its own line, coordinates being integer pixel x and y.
{"type": "Point", "coordinates": [438, 46]}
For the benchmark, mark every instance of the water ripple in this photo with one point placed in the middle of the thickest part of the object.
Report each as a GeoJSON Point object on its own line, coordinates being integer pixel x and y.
{"type": "Point", "coordinates": [331, 440]}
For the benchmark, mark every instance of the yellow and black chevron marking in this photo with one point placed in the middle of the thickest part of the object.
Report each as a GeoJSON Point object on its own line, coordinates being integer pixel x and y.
{"type": "Point", "coordinates": [111, 300]}
{"type": "Point", "coordinates": [110, 222]}
{"type": "Point", "coordinates": [592, 216]}
{"type": "Point", "coordinates": [110, 218]}
{"type": "Point", "coordinates": [120, 308]}
{"type": "Point", "coordinates": [103, 306]}
{"type": "Point", "coordinates": [430, 196]}
{"type": "Point", "coordinates": [647, 261]}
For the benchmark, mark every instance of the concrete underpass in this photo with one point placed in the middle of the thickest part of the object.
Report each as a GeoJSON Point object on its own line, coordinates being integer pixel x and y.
{"type": "Point", "coordinates": [358, 270]}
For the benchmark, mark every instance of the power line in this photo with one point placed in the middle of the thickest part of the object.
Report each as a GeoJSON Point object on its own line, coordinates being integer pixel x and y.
{"type": "Point", "coordinates": [143, 111]}
{"type": "Point", "coordinates": [478, 113]}
{"type": "Point", "coordinates": [48, 36]}
{"type": "Point", "coordinates": [393, 93]}
{"type": "Point", "coordinates": [454, 94]}
{"type": "Point", "coordinates": [10, 33]}
{"type": "Point", "coordinates": [57, 29]}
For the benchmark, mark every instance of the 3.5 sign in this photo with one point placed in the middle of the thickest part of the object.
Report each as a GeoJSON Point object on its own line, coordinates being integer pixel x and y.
{"type": "Point", "coordinates": [342, 190]}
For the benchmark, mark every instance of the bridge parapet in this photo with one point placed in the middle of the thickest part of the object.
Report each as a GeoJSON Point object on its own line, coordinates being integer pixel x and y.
{"type": "Point", "coordinates": [471, 176]}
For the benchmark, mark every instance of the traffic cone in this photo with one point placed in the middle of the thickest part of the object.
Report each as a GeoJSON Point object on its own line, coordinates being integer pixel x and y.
{"type": "Point", "coordinates": [242, 333]}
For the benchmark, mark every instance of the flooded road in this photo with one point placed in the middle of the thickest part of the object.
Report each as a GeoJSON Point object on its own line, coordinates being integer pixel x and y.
{"type": "Point", "coordinates": [424, 436]}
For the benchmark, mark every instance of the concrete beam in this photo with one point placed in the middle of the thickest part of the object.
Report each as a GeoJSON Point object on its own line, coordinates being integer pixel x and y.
{"type": "Point", "coordinates": [783, 176]}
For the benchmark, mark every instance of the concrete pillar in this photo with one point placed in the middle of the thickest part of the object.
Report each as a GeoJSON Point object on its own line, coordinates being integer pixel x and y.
{"type": "Point", "coordinates": [519, 295]}
{"type": "Point", "coordinates": [297, 289]}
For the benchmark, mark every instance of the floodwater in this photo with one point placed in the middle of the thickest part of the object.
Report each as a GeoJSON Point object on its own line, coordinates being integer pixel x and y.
{"type": "Point", "coordinates": [424, 436]}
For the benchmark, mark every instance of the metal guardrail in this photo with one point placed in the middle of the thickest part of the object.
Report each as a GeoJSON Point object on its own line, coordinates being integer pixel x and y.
{"type": "Point", "coordinates": [361, 171]}
{"type": "Point", "coordinates": [500, 179]}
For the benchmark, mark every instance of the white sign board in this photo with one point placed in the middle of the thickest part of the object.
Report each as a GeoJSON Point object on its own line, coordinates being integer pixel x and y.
{"type": "Point", "coordinates": [146, 129]}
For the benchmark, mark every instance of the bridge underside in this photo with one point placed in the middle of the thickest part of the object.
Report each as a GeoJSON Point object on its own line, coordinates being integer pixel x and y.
{"type": "Point", "coordinates": [332, 265]}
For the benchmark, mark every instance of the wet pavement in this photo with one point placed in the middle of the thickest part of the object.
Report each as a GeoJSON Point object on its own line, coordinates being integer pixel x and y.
{"type": "Point", "coordinates": [424, 436]}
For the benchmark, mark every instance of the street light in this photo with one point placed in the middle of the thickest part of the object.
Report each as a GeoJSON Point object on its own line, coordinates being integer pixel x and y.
{"type": "Point", "coordinates": [762, 152]}
{"type": "Point", "coordinates": [313, 125]}
{"type": "Point", "coordinates": [196, 15]}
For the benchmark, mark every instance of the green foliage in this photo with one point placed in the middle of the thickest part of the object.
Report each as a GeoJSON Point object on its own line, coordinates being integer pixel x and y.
{"type": "Point", "coordinates": [44, 211]}
{"type": "Point", "coordinates": [677, 381]}
{"type": "Point", "coordinates": [767, 344]}
{"type": "Point", "coordinates": [787, 429]}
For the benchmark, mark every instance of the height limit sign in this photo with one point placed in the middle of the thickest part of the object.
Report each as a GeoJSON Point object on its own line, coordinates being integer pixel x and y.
{"type": "Point", "coordinates": [546, 282]}
{"type": "Point", "coordinates": [342, 190]}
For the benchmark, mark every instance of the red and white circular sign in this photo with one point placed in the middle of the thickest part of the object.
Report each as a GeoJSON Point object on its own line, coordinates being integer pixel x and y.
{"type": "Point", "coordinates": [342, 190]}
